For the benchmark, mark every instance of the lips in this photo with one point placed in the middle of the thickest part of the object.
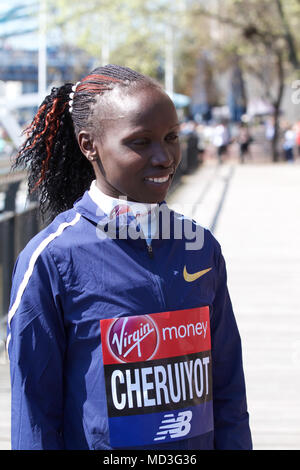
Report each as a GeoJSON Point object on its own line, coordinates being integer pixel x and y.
{"type": "Point", "coordinates": [159, 179]}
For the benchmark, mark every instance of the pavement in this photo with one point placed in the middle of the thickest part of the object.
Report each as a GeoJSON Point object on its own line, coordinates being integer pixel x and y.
{"type": "Point", "coordinates": [253, 210]}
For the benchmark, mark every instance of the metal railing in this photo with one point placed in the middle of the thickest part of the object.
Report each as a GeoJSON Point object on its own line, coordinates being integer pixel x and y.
{"type": "Point", "coordinates": [16, 229]}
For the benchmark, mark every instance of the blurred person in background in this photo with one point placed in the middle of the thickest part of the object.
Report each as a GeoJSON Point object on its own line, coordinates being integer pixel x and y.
{"type": "Point", "coordinates": [2, 141]}
{"type": "Point", "coordinates": [244, 140]}
{"type": "Point", "coordinates": [297, 132]}
{"type": "Point", "coordinates": [289, 140]}
{"type": "Point", "coordinates": [221, 140]}
{"type": "Point", "coordinates": [269, 129]}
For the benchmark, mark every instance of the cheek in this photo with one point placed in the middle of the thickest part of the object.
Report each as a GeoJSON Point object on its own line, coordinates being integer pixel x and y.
{"type": "Point", "coordinates": [177, 154]}
{"type": "Point", "coordinates": [121, 166]}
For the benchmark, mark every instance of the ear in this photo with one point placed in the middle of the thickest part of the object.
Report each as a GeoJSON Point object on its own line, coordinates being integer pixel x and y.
{"type": "Point", "coordinates": [87, 145]}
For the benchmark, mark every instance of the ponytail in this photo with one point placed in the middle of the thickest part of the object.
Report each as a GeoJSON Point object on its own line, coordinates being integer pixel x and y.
{"type": "Point", "coordinates": [57, 170]}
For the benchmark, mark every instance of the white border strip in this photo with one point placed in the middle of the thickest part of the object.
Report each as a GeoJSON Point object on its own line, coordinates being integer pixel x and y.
{"type": "Point", "coordinates": [32, 262]}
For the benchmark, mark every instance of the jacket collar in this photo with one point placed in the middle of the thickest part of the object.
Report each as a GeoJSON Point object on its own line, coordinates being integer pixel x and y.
{"type": "Point", "coordinates": [108, 203]}
{"type": "Point", "coordinates": [87, 207]}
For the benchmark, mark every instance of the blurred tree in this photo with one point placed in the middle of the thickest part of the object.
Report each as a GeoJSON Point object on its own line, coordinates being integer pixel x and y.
{"type": "Point", "coordinates": [195, 64]}
{"type": "Point", "coordinates": [263, 34]}
{"type": "Point", "coordinates": [131, 33]}
{"type": "Point", "coordinates": [164, 38]}
{"type": "Point", "coordinates": [289, 34]}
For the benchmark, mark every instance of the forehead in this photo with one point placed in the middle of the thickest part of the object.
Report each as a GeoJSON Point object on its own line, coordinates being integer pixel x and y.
{"type": "Point", "coordinates": [134, 107]}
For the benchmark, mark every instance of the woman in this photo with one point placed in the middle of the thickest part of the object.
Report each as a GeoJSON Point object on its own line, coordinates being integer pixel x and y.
{"type": "Point", "coordinates": [121, 334]}
{"type": "Point", "coordinates": [244, 140]}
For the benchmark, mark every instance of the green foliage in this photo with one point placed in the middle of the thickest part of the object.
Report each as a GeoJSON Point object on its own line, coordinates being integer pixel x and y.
{"type": "Point", "coordinates": [133, 33]}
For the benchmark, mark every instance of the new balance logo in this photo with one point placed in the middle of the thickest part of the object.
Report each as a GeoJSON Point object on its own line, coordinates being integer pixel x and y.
{"type": "Point", "coordinates": [174, 427]}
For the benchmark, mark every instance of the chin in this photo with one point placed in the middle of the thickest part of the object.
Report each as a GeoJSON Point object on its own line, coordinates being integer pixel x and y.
{"type": "Point", "coordinates": [154, 200]}
{"type": "Point", "coordinates": [147, 199]}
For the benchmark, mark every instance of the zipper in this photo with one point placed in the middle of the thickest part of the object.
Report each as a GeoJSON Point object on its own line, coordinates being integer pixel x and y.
{"type": "Point", "coordinates": [150, 250]}
{"type": "Point", "coordinates": [149, 245]}
{"type": "Point", "coordinates": [153, 277]}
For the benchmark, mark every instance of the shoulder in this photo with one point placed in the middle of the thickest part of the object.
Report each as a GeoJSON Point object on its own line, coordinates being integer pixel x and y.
{"type": "Point", "coordinates": [198, 236]}
{"type": "Point", "coordinates": [53, 233]}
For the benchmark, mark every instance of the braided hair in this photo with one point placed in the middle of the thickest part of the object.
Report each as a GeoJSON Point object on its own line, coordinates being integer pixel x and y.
{"type": "Point", "coordinates": [58, 172]}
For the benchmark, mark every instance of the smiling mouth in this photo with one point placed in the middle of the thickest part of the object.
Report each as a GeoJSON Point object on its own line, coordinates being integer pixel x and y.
{"type": "Point", "coordinates": [161, 180]}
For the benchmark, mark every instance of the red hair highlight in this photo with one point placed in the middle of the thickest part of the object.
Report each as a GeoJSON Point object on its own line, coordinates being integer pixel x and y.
{"type": "Point", "coordinates": [96, 87]}
{"type": "Point", "coordinates": [51, 125]}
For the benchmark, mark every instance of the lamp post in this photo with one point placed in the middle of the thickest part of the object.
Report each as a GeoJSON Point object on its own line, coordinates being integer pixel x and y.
{"type": "Point", "coordinates": [42, 51]}
{"type": "Point", "coordinates": [169, 57]}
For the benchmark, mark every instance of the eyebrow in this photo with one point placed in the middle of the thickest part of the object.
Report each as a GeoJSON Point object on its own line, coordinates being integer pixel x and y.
{"type": "Point", "coordinates": [141, 129]}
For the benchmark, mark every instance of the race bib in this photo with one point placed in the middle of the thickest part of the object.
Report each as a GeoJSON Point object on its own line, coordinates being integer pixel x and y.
{"type": "Point", "coordinates": [158, 376]}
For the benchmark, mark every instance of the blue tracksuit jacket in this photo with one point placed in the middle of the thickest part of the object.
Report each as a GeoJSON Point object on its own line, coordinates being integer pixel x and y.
{"type": "Point", "coordinates": [153, 384]}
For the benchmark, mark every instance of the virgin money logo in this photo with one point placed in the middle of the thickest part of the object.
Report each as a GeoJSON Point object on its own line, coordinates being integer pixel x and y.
{"type": "Point", "coordinates": [133, 339]}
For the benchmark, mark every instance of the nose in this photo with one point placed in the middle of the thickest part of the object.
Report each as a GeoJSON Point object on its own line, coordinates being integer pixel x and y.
{"type": "Point", "coordinates": [161, 156]}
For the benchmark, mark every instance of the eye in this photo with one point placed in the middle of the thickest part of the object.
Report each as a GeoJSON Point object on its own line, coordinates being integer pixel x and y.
{"type": "Point", "coordinates": [140, 142]}
{"type": "Point", "coordinates": [172, 137]}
